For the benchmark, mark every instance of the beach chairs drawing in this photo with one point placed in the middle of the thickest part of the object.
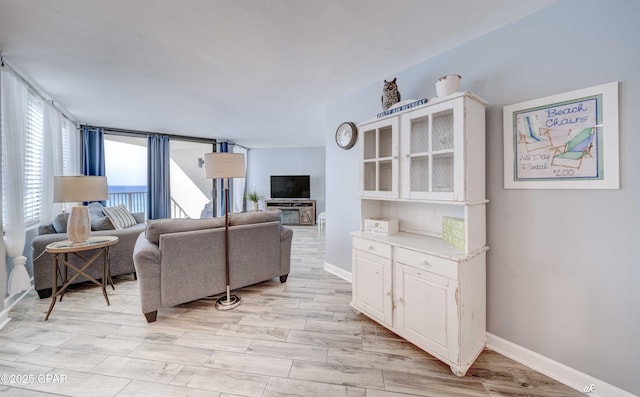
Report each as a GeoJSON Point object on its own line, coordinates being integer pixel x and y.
{"type": "Point", "coordinates": [567, 146]}
{"type": "Point", "coordinates": [531, 134]}
{"type": "Point", "coordinates": [578, 146]}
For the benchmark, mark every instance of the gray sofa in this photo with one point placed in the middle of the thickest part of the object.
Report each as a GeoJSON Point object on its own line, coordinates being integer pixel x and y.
{"type": "Point", "coordinates": [121, 254]}
{"type": "Point", "coordinates": [182, 260]}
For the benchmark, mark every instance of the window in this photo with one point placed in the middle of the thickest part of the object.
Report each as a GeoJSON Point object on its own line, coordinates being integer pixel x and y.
{"type": "Point", "coordinates": [26, 148]}
{"type": "Point", "coordinates": [191, 192]}
{"type": "Point", "coordinates": [32, 161]}
{"type": "Point", "coordinates": [71, 156]}
{"type": "Point", "coordinates": [126, 171]}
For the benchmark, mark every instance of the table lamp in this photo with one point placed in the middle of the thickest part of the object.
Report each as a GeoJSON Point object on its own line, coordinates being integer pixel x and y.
{"type": "Point", "coordinates": [225, 165]}
{"type": "Point", "coordinates": [79, 189]}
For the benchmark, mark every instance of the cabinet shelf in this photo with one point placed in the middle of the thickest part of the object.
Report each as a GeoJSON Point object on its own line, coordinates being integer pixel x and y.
{"type": "Point", "coordinates": [426, 201]}
{"type": "Point", "coordinates": [430, 245]}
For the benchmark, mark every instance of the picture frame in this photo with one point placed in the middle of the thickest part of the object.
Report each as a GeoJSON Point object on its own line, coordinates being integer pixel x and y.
{"type": "Point", "coordinates": [564, 141]}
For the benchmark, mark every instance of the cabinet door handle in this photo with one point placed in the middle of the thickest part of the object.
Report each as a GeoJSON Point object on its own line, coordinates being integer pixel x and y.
{"type": "Point", "coordinates": [388, 293]}
{"type": "Point", "coordinates": [426, 263]}
{"type": "Point", "coordinates": [371, 248]}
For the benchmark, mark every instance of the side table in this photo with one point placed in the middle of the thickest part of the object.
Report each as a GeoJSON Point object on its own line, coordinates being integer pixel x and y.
{"type": "Point", "coordinates": [61, 264]}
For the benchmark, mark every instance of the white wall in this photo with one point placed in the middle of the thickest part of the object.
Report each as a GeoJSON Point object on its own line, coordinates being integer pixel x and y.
{"type": "Point", "coordinates": [563, 271]}
{"type": "Point", "coordinates": [262, 163]}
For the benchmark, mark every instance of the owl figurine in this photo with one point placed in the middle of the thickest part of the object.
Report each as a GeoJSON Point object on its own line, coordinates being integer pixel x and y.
{"type": "Point", "coordinates": [390, 94]}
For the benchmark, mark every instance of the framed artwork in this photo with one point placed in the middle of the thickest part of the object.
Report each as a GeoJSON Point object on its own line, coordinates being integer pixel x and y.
{"type": "Point", "coordinates": [564, 141]}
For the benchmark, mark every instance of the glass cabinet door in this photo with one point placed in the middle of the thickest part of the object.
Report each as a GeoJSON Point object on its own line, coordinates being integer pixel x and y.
{"type": "Point", "coordinates": [380, 159]}
{"type": "Point", "coordinates": [430, 149]}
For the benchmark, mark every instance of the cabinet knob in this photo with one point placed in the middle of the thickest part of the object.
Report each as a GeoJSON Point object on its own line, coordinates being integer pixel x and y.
{"type": "Point", "coordinates": [426, 264]}
{"type": "Point", "coordinates": [371, 248]}
{"type": "Point", "coordinates": [388, 293]}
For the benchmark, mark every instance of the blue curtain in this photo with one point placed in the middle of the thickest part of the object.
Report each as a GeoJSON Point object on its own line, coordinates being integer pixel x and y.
{"type": "Point", "coordinates": [93, 152]}
{"type": "Point", "coordinates": [158, 191]}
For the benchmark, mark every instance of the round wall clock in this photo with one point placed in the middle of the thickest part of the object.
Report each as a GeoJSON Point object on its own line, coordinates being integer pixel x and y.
{"type": "Point", "coordinates": [346, 135]}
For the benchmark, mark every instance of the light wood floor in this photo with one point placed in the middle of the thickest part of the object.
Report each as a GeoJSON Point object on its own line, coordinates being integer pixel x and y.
{"type": "Point", "coordinates": [296, 339]}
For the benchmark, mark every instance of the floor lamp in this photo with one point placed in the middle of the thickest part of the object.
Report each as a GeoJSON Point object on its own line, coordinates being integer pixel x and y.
{"type": "Point", "coordinates": [225, 165]}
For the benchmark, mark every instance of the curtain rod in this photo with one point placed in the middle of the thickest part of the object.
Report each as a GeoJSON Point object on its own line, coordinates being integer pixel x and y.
{"type": "Point", "coordinates": [4, 63]}
{"type": "Point", "coordinates": [232, 143]}
{"type": "Point", "coordinates": [125, 132]}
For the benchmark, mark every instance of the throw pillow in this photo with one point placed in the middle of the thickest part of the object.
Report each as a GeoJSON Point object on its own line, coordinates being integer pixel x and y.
{"type": "Point", "coordinates": [60, 222]}
{"type": "Point", "coordinates": [46, 229]}
{"type": "Point", "coordinates": [101, 223]}
{"type": "Point", "coordinates": [120, 216]}
{"type": "Point", "coordinates": [98, 219]}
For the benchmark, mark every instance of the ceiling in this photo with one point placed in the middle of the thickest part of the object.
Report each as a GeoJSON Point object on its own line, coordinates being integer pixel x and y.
{"type": "Point", "coordinates": [257, 72]}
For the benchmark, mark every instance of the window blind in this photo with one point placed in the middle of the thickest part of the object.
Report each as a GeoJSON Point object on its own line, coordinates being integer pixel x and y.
{"type": "Point", "coordinates": [33, 159]}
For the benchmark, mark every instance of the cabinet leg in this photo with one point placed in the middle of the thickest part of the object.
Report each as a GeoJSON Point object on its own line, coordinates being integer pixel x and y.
{"type": "Point", "coordinates": [459, 371]}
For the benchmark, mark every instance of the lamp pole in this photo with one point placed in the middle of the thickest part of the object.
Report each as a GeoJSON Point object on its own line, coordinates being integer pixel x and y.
{"type": "Point", "coordinates": [228, 301]}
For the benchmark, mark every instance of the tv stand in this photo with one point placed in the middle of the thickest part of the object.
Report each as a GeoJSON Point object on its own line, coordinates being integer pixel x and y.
{"type": "Point", "coordinates": [294, 212]}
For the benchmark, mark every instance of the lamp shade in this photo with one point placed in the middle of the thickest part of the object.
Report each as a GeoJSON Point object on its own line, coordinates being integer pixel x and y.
{"type": "Point", "coordinates": [79, 188]}
{"type": "Point", "coordinates": [224, 165]}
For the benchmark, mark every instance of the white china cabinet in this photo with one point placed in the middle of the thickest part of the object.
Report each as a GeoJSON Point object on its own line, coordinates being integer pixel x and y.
{"type": "Point", "coordinates": [418, 167]}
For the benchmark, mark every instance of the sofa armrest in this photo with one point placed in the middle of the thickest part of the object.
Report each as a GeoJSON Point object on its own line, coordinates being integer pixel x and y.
{"type": "Point", "coordinates": [146, 259]}
{"type": "Point", "coordinates": [39, 243]}
{"type": "Point", "coordinates": [286, 236]}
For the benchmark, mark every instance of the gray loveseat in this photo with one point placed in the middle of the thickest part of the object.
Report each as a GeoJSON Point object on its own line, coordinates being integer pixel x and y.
{"type": "Point", "coordinates": [182, 260]}
{"type": "Point", "coordinates": [121, 254]}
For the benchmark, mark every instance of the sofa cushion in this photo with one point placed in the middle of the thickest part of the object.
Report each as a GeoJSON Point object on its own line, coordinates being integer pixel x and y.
{"type": "Point", "coordinates": [46, 229]}
{"type": "Point", "coordinates": [140, 216]}
{"type": "Point", "coordinates": [59, 223]}
{"type": "Point", "coordinates": [99, 220]}
{"type": "Point", "coordinates": [156, 227]}
{"type": "Point", "coordinates": [120, 216]}
{"type": "Point", "coordinates": [246, 218]}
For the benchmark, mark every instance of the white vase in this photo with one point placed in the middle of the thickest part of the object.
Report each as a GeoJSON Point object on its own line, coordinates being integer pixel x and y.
{"type": "Point", "coordinates": [447, 85]}
{"type": "Point", "coordinates": [78, 225]}
{"type": "Point", "coordinates": [255, 206]}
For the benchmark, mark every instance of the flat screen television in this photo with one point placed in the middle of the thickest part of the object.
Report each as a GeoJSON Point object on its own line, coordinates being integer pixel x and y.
{"type": "Point", "coordinates": [290, 187]}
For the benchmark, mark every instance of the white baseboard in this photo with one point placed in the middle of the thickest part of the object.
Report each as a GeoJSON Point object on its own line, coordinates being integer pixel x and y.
{"type": "Point", "coordinates": [9, 302]}
{"type": "Point", "coordinates": [562, 373]}
{"type": "Point", "coordinates": [337, 271]}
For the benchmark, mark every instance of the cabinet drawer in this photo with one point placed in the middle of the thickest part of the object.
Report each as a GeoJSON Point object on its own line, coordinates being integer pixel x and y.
{"type": "Point", "coordinates": [430, 263]}
{"type": "Point", "coordinates": [374, 247]}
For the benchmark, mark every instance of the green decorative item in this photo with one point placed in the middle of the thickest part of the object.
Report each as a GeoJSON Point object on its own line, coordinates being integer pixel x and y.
{"type": "Point", "coordinates": [453, 231]}
{"type": "Point", "coordinates": [254, 197]}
